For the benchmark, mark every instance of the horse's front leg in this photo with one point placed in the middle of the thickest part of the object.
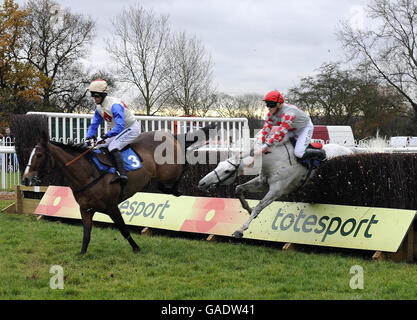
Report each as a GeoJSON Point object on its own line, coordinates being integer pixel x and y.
{"type": "Point", "coordinates": [117, 218]}
{"type": "Point", "coordinates": [87, 219]}
{"type": "Point", "coordinates": [254, 185]}
{"type": "Point", "coordinates": [243, 202]}
{"type": "Point", "coordinates": [272, 195]}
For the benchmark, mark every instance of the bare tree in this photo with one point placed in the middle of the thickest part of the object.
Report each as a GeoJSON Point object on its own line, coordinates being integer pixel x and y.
{"type": "Point", "coordinates": [348, 97]}
{"type": "Point", "coordinates": [205, 103]}
{"type": "Point", "coordinates": [226, 106]}
{"type": "Point", "coordinates": [249, 106]}
{"type": "Point", "coordinates": [190, 76]}
{"type": "Point", "coordinates": [82, 101]}
{"type": "Point", "coordinates": [328, 94]}
{"type": "Point", "coordinates": [390, 49]}
{"type": "Point", "coordinates": [138, 47]}
{"type": "Point", "coordinates": [305, 96]}
{"type": "Point", "coordinates": [54, 41]}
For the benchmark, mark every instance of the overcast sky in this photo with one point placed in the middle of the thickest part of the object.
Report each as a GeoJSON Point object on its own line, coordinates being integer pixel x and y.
{"type": "Point", "coordinates": [256, 45]}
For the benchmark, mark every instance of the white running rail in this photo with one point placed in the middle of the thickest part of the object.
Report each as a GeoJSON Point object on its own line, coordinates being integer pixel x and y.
{"type": "Point", "coordinates": [231, 134]}
{"type": "Point", "coordinates": [10, 174]}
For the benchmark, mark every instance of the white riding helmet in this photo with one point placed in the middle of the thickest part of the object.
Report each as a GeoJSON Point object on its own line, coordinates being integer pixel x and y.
{"type": "Point", "coordinates": [99, 85]}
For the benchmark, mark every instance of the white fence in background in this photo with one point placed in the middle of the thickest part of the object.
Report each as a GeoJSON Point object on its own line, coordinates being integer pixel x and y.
{"type": "Point", "coordinates": [10, 174]}
{"type": "Point", "coordinates": [231, 134]}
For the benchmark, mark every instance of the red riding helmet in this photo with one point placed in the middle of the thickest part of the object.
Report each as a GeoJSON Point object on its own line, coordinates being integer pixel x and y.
{"type": "Point", "coordinates": [274, 96]}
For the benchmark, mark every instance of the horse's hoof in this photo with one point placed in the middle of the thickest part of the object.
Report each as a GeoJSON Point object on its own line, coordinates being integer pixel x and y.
{"type": "Point", "coordinates": [136, 250]}
{"type": "Point", "coordinates": [237, 234]}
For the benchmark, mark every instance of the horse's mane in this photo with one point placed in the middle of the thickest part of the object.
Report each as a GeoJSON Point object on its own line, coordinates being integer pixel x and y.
{"type": "Point", "coordinates": [70, 147]}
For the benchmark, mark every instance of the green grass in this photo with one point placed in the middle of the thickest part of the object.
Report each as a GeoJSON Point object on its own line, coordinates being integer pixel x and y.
{"type": "Point", "coordinates": [179, 268]}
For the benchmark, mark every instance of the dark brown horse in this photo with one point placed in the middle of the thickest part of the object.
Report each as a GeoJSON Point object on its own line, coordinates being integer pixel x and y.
{"type": "Point", "coordinates": [91, 187]}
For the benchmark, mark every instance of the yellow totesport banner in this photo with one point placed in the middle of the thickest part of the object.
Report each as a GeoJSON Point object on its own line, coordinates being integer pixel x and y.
{"type": "Point", "coordinates": [315, 224]}
{"type": "Point", "coordinates": [333, 225]}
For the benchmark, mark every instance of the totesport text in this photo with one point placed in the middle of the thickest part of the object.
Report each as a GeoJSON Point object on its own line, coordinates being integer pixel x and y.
{"type": "Point", "coordinates": [323, 225]}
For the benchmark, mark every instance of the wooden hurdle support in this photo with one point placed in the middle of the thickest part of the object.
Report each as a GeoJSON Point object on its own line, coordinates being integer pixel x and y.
{"type": "Point", "coordinates": [22, 204]}
{"type": "Point", "coordinates": [407, 252]}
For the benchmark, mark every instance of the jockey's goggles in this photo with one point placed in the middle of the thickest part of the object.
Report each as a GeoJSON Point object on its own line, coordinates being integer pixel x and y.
{"type": "Point", "coordinates": [96, 94]}
{"type": "Point", "coordinates": [271, 104]}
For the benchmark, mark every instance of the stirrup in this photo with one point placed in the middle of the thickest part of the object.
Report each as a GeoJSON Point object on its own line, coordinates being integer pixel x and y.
{"type": "Point", "coordinates": [119, 178]}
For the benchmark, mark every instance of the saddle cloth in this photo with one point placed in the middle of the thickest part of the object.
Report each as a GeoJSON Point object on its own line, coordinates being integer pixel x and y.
{"type": "Point", "coordinates": [312, 145]}
{"type": "Point", "coordinates": [309, 162]}
{"type": "Point", "coordinates": [104, 162]}
{"type": "Point", "coordinates": [315, 145]}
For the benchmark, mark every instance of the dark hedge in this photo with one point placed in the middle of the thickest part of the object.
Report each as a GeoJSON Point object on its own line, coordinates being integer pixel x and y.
{"type": "Point", "coordinates": [386, 180]}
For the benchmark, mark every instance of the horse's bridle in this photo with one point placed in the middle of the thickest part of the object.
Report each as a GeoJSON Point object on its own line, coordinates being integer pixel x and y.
{"type": "Point", "coordinates": [233, 172]}
{"type": "Point", "coordinates": [40, 171]}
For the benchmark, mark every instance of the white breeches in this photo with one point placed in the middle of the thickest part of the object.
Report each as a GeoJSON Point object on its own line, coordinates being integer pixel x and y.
{"type": "Point", "coordinates": [303, 136]}
{"type": "Point", "coordinates": [124, 138]}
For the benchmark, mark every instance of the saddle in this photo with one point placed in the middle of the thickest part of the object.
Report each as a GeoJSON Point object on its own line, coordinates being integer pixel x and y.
{"type": "Point", "coordinates": [314, 155]}
{"type": "Point", "coordinates": [105, 161]}
{"type": "Point", "coordinates": [105, 157]}
{"type": "Point", "coordinates": [315, 145]}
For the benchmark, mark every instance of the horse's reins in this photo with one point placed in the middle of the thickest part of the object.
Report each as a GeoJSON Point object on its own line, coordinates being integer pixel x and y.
{"type": "Point", "coordinates": [96, 180]}
{"type": "Point", "coordinates": [289, 156]}
{"type": "Point", "coordinates": [310, 169]}
{"type": "Point", "coordinates": [260, 154]}
{"type": "Point", "coordinates": [83, 154]}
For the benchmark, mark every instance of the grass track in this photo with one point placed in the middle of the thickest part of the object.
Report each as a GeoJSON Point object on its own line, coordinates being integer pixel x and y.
{"type": "Point", "coordinates": [177, 268]}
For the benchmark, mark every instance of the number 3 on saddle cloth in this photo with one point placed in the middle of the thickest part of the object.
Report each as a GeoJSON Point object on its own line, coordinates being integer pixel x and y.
{"type": "Point", "coordinates": [104, 161]}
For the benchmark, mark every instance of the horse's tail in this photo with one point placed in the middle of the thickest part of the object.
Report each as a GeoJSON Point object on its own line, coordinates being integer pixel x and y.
{"type": "Point", "coordinates": [189, 138]}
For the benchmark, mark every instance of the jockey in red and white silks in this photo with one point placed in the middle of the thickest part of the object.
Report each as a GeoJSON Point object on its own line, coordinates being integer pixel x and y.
{"type": "Point", "coordinates": [290, 121]}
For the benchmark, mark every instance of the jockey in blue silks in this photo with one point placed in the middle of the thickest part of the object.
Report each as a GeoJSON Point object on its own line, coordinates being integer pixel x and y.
{"type": "Point", "coordinates": [124, 127]}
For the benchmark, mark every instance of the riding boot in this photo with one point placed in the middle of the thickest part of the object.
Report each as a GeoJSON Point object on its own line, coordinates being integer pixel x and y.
{"type": "Point", "coordinates": [312, 157]}
{"type": "Point", "coordinates": [121, 172]}
{"type": "Point", "coordinates": [318, 154]}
